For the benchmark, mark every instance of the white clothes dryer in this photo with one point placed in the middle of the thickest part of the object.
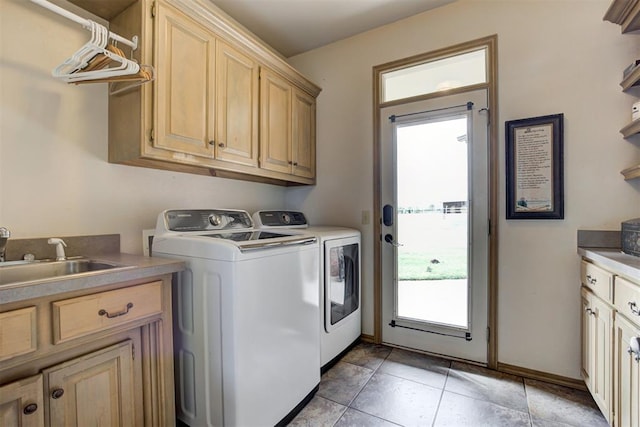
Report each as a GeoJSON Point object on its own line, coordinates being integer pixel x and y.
{"type": "Point", "coordinates": [340, 272]}
{"type": "Point", "coordinates": [245, 318]}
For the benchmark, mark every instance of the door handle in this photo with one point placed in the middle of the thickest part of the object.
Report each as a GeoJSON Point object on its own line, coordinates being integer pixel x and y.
{"type": "Point", "coordinates": [389, 239]}
{"type": "Point", "coordinates": [387, 216]}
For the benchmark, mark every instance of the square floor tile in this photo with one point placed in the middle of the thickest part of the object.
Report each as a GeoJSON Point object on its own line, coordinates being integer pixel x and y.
{"type": "Point", "coordinates": [417, 367]}
{"type": "Point", "coordinates": [552, 404]}
{"type": "Point", "coordinates": [367, 355]}
{"type": "Point", "coordinates": [319, 412]}
{"type": "Point", "coordinates": [484, 384]}
{"type": "Point", "coordinates": [461, 411]}
{"type": "Point", "coordinates": [353, 418]}
{"type": "Point", "coordinates": [343, 381]}
{"type": "Point", "coordinates": [397, 400]}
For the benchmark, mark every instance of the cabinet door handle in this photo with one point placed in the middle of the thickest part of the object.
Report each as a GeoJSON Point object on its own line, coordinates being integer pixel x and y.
{"type": "Point", "coordinates": [30, 409]}
{"type": "Point", "coordinates": [589, 311]}
{"type": "Point", "coordinates": [57, 393]}
{"type": "Point", "coordinates": [634, 309]}
{"type": "Point", "coordinates": [634, 348]}
{"type": "Point", "coordinates": [104, 312]}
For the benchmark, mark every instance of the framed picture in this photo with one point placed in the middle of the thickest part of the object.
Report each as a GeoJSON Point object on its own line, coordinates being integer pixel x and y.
{"type": "Point", "coordinates": [535, 177]}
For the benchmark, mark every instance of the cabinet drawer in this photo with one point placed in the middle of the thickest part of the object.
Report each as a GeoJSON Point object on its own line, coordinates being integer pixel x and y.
{"type": "Point", "coordinates": [80, 316]}
{"type": "Point", "coordinates": [627, 299]}
{"type": "Point", "coordinates": [598, 280]}
{"type": "Point", "coordinates": [17, 332]}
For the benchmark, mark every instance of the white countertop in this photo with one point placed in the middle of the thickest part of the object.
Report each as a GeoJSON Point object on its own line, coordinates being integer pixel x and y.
{"type": "Point", "coordinates": [614, 260]}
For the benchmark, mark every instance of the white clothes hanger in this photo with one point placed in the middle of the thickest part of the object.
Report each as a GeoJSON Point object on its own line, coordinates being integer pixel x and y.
{"type": "Point", "coordinates": [97, 60]}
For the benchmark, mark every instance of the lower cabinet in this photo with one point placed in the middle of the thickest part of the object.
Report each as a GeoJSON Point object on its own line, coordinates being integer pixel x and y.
{"type": "Point", "coordinates": [116, 371]}
{"type": "Point", "coordinates": [627, 368]}
{"type": "Point", "coordinates": [611, 343]}
{"type": "Point", "coordinates": [22, 403]}
{"type": "Point", "coordinates": [597, 369]}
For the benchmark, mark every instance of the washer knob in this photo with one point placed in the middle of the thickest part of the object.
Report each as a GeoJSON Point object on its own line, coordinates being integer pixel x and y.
{"type": "Point", "coordinates": [215, 220]}
{"type": "Point", "coordinates": [285, 218]}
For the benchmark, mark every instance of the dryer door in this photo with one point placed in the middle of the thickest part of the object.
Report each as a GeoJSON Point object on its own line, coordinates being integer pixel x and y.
{"type": "Point", "coordinates": [341, 280]}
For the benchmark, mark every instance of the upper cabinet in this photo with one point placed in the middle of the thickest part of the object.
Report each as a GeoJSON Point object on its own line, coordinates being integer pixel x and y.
{"type": "Point", "coordinates": [223, 103]}
{"type": "Point", "coordinates": [626, 13]}
{"type": "Point", "coordinates": [288, 124]}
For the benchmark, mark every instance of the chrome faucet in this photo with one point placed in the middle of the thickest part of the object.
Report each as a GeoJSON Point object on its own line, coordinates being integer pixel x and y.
{"type": "Point", "coordinates": [4, 236]}
{"type": "Point", "coordinates": [60, 245]}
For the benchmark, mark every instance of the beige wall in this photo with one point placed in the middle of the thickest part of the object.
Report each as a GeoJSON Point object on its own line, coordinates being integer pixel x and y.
{"type": "Point", "coordinates": [554, 57]}
{"type": "Point", "coordinates": [54, 175]}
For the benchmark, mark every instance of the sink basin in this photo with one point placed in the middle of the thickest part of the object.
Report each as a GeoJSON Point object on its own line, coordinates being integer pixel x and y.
{"type": "Point", "coordinates": [43, 270]}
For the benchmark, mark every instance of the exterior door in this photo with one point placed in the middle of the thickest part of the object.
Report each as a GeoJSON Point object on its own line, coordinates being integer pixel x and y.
{"type": "Point", "coordinates": [435, 214]}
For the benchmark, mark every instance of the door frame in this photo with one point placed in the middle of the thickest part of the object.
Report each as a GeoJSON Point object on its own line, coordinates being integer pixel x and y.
{"type": "Point", "coordinates": [491, 43]}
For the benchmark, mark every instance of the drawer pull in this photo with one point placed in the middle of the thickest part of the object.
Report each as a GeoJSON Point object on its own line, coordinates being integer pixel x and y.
{"type": "Point", "coordinates": [634, 309]}
{"type": "Point", "coordinates": [591, 280]}
{"type": "Point", "coordinates": [57, 393]}
{"type": "Point", "coordinates": [30, 409]}
{"type": "Point", "coordinates": [104, 312]}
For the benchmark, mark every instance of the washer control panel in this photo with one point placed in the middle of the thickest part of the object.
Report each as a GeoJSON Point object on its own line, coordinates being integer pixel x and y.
{"type": "Point", "coordinates": [206, 219]}
{"type": "Point", "coordinates": [289, 219]}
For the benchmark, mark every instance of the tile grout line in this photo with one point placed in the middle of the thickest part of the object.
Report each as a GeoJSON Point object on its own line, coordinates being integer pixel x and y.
{"type": "Point", "coordinates": [348, 406]}
{"type": "Point", "coordinates": [444, 386]}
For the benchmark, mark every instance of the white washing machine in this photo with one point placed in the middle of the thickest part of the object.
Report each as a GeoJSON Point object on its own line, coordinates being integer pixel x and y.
{"type": "Point", "coordinates": [340, 270]}
{"type": "Point", "coordinates": [245, 318]}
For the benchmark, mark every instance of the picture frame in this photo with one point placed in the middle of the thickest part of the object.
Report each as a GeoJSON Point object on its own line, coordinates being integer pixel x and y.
{"type": "Point", "coordinates": [534, 157]}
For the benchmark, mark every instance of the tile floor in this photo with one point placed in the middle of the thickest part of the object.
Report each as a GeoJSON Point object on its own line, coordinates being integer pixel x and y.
{"type": "Point", "coordinates": [375, 385]}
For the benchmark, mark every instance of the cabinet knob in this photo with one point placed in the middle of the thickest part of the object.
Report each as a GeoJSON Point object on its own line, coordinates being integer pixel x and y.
{"type": "Point", "coordinates": [57, 393]}
{"type": "Point", "coordinates": [295, 163]}
{"type": "Point", "coordinates": [633, 307]}
{"type": "Point", "coordinates": [30, 409]}
{"type": "Point", "coordinates": [221, 144]}
{"type": "Point", "coordinates": [588, 311]}
{"type": "Point", "coordinates": [290, 162]}
{"type": "Point", "coordinates": [212, 142]}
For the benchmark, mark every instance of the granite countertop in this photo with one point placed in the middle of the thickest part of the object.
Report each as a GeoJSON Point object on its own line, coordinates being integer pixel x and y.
{"type": "Point", "coordinates": [614, 260]}
{"type": "Point", "coordinates": [129, 267]}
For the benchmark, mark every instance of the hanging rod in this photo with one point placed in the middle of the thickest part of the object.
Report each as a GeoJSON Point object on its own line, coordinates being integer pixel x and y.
{"type": "Point", "coordinates": [84, 22]}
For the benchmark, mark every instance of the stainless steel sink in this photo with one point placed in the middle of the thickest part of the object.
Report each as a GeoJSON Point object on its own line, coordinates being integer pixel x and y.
{"type": "Point", "coordinates": [43, 270]}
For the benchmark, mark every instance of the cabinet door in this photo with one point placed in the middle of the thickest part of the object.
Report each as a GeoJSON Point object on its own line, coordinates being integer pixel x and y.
{"type": "Point", "coordinates": [599, 348]}
{"type": "Point", "coordinates": [94, 390]}
{"type": "Point", "coordinates": [237, 106]}
{"type": "Point", "coordinates": [627, 374]}
{"type": "Point", "coordinates": [275, 122]}
{"type": "Point", "coordinates": [304, 134]}
{"type": "Point", "coordinates": [185, 58]}
{"type": "Point", "coordinates": [587, 339]}
{"type": "Point", "coordinates": [21, 403]}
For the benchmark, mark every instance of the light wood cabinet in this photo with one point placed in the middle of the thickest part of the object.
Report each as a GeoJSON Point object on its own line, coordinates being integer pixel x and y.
{"type": "Point", "coordinates": [22, 403]}
{"type": "Point", "coordinates": [206, 112]}
{"type": "Point", "coordinates": [95, 390]}
{"type": "Point", "coordinates": [102, 357]}
{"type": "Point", "coordinates": [287, 132]}
{"type": "Point", "coordinates": [237, 76]}
{"type": "Point", "coordinates": [185, 85]}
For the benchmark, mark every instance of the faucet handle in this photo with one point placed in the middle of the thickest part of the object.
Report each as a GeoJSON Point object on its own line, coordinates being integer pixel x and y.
{"type": "Point", "coordinates": [4, 233]}
{"type": "Point", "coordinates": [60, 245]}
